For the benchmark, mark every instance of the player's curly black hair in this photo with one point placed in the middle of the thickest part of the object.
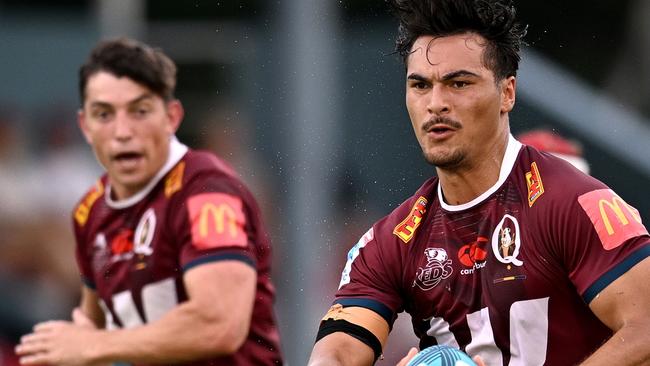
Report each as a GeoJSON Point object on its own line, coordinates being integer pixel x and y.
{"type": "Point", "coordinates": [494, 20]}
{"type": "Point", "coordinates": [136, 60]}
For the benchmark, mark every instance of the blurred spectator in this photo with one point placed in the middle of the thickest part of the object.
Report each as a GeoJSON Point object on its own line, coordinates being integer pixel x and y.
{"type": "Point", "coordinates": [225, 130]}
{"type": "Point", "coordinates": [552, 142]}
{"type": "Point", "coordinates": [32, 289]}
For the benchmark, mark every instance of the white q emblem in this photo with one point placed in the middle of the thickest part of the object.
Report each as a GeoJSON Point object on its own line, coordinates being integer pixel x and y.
{"type": "Point", "coordinates": [506, 241]}
{"type": "Point", "coordinates": [144, 233]}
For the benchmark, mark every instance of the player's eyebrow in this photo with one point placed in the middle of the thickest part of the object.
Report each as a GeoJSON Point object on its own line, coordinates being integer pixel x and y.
{"type": "Point", "coordinates": [141, 98]}
{"type": "Point", "coordinates": [458, 73]}
{"type": "Point", "coordinates": [417, 77]}
{"type": "Point", "coordinates": [445, 77]}
{"type": "Point", "coordinates": [99, 103]}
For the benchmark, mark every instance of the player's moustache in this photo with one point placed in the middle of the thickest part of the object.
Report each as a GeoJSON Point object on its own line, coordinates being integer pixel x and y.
{"type": "Point", "coordinates": [443, 121]}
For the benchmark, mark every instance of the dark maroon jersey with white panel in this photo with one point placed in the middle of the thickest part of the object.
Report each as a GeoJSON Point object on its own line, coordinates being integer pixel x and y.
{"type": "Point", "coordinates": [134, 252]}
{"type": "Point", "coordinates": [508, 275]}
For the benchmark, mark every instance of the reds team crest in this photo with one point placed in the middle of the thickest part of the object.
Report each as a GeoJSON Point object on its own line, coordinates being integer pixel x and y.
{"type": "Point", "coordinates": [438, 268]}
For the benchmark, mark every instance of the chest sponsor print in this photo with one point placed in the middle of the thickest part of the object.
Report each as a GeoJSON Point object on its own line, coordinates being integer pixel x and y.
{"type": "Point", "coordinates": [438, 268]}
{"type": "Point", "coordinates": [126, 243]}
{"type": "Point", "coordinates": [473, 255]}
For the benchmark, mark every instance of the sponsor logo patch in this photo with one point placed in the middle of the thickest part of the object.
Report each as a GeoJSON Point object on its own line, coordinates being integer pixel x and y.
{"type": "Point", "coordinates": [438, 268]}
{"type": "Point", "coordinates": [83, 210]}
{"type": "Point", "coordinates": [174, 181]}
{"type": "Point", "coordinates": [217, 220]}
{"type": "Point", "coordinates": [534, 183]}
{"type": "Point", "coordinates": [122, 243]}
{"type": "Point", "coordinates": [473, 255]}
{"type": "Point", "coordinates": [406, 229]}
{"type": "Point", "coordinates": [614, 220]}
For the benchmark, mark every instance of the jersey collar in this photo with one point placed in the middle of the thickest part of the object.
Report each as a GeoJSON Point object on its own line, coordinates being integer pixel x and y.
{"type": "Point", "coordinates": [509, 158]}
{"type": "Point", "coordinates": [176, 152]}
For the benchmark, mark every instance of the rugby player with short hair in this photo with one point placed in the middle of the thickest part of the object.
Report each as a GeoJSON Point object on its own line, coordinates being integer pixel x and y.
{"type": "Point", "coordinates": [171, 247]}
{"type": "Point", "coordinates": [510, 254]}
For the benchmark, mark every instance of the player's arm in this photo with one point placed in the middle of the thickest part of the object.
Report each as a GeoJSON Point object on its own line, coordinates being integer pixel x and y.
{"type": "Point", "coordinates": [341, 349]}
{"type": "Point", "coordinates": [89, 308]}
{"type": "Point", "coordinates": [213, 322]}
{"type": "Point", "coordinates": [352, 336]}
{"type": "Point", "coordinates": [624, 306]}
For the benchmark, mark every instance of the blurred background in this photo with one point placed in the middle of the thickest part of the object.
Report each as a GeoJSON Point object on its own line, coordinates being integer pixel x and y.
{"type": "Point", "coordinates": [305, 98]}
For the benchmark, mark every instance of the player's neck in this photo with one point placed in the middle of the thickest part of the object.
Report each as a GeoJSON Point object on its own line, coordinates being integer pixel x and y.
{"type": "Point", "coordinates": [462, 185]}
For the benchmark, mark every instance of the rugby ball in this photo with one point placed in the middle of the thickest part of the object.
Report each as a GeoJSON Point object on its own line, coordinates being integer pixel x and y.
{"type": "Point", "coordinates": [441, 356]}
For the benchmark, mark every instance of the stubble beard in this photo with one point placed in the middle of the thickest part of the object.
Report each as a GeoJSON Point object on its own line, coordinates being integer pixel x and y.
{"type": "Point", "coordinates": [450, 161]}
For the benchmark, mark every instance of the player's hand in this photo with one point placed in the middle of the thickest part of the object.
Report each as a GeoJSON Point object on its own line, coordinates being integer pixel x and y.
{"type": "Point", "coordinates": [58, 343]}
{"type": "Point", "coordinates": [81, 319]}
{"type": "Point", "coordinates": [479, 361]}
{"type": "Point", "coordinates": [412, 352]}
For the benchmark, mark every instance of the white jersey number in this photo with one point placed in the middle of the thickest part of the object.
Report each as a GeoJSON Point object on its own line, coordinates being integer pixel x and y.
{"type": "Point", "coordinates": [528, 334]}
{"type": "Point", "coordinates": [157, 299]}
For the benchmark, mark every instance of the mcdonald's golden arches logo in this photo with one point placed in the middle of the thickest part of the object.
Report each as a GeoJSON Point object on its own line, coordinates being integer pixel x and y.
{"type": "Point", "coordinates": [217, 220]}
{"type": "Point", "coordinates": [614, 219]}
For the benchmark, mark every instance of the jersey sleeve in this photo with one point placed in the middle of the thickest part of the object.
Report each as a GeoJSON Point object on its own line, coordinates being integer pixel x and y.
{"type": "Point", "coordinates": [370, 278]}
{"type": "Point", "coordinates": [84, 245]}
{"type": "Point", "coordinates": [603, 238]}
{"type": "Point", "coordinates": [83, 256]}
{"type": "Point", "coordinates": [212, 222]}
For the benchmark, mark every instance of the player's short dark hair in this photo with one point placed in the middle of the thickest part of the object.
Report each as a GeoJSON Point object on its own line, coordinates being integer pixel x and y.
{"type": "Point", "coordinates": [494, 20]}
{"type": "Point", "coordinates": [124, 57]}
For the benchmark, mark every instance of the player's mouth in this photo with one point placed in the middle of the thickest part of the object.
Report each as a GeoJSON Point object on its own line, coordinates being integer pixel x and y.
{"type": "Point", "coordinates": [440, 131]}
{"type": "Point", "coordinates": [441, 128]}
{"type": "Point", "coordinates": [127, 160]}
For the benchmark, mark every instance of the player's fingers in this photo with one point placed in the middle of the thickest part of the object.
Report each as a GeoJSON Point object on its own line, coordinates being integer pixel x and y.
{"type": "Point", "coordinates": [33, 338]}
{"type": "Point", "coordinates": [30, 348]}
{"type": "Point", "coordinates": [35, 359]}
{"type": "Point", "coordinates": [48, 325]}
{"type": "Point", "coordinates": [412, 352]}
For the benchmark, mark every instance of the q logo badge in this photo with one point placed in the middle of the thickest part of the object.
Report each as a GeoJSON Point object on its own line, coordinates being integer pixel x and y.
{"type": "Point", "coordinates": [144, 233]}
{"type": "Point", "coordinates": [506, 241]}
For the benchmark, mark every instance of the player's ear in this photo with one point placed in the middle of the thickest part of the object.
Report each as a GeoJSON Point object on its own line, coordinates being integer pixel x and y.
{"type": "Point", "coordinates": [508, 91]}
{"type": "Point", "coordinates": [175, 113]}
{"type": "Point", "coordinates": [81, 120]}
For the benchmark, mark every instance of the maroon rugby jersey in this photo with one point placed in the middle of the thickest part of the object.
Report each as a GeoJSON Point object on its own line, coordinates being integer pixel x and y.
{"type": "Point", "coordinates": [508, 275]}
{"type": "Point", "coordinates": [134, 252]}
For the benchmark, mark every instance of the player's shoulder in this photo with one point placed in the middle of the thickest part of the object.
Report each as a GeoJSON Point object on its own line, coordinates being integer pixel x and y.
{"type": "Point", "coordinates": [88, 201]}
{"type": "Point", "coordinates": [200, 168]}
{"type": "Point", "coordinates": [202, 161]}
{"type": "Point", "coordinates": [403, 221]}
{"type": "Point", "coordinates": [550, 180]}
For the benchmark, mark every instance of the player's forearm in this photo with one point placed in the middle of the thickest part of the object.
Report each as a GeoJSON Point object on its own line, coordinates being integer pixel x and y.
{"type": "Point", "coordinates": [185, 333]}
{"type": "Point", "coordinates": [627, 347]}
{"type": "Point", "coordinates": [340, 349]}
{"type": "Point", "coordinates": [326, 361]}
{"type": "Point", "coordinates": [334, 359]}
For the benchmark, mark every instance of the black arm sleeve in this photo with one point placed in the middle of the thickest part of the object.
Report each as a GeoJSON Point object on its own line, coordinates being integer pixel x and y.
{"type": "Point", "coordinates": [330, 326]}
